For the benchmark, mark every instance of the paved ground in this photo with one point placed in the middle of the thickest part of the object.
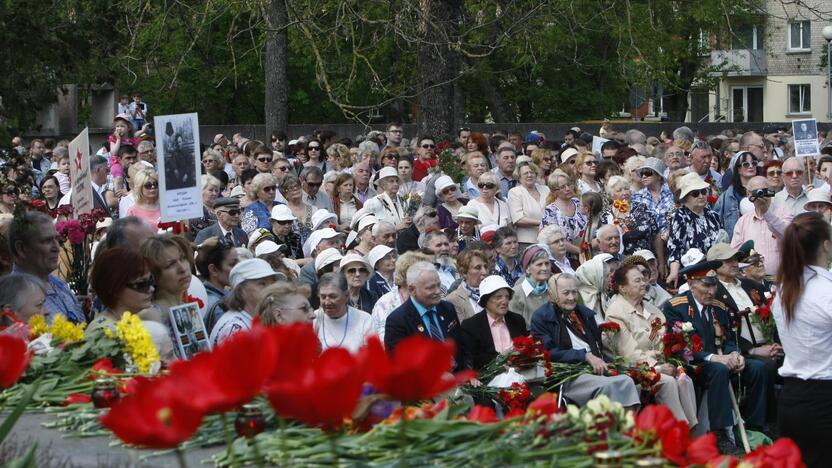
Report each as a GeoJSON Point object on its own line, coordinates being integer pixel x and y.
{"type": "Point", "coordinates": [56, 451]}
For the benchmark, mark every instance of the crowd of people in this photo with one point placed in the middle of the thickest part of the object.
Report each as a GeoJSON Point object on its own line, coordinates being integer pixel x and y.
{"type": "Point", "coordinates": [541, 236]}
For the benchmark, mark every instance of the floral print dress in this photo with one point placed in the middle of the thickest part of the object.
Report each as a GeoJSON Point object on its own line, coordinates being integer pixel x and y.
{"type": "Point", "coordinates": [636, 222]}
{"type": "Point", "coordinates": [689, 230]}
{"type": "Point", "coordinates": [573, 226]}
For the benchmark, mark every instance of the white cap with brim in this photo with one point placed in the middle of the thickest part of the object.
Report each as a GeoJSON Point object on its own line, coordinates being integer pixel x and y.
{"type": "Point", "coordinates": [566, 154]}
{"type": "Point", "coordinates": [351, 237]}
{"type": "Point", "coordinates": [327, 257]}
{"type": "Point", "coordinates": [817, 196]}
{"type": "Point", "coordinates": [316, 237]}
{"type": "Point", "coordinates": [366, 222]}
{"type": "Point", "coordinates": [254, 268]}
{"type": "Point", "coordinates": [321, 216]}
{"type": "Point", "coordinates": [358, 216]}
{"type": "Point", "coordinates": [354, 258]}
{"type": "Point", "coordinates": [266, 247]}
{"type": "Point", "coordinates": [377, 253]}
{"type": "Point", "coordinates": [469, 212]}
{"type": "Point", "coordinates": [237, 192]}
{"type": "Point", "coordinates": [645, 254]}
{"type": "Point", "coordinates": [282, 213]}
{"type": "Point", "coordinates": [386, 172]}
{"type": "Point", "coordinates": [492, 284]}
{"type": "Point", "coordinates": [441, 183]}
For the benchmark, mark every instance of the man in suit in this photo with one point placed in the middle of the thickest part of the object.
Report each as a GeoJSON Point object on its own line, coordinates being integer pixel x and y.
{"type": "Point", "coordinates": [711, 322]}
{"type": "Point", "coordinates": [489, 333]}
{"type": "Point", "coordinates": [99, 169]}
{"type": "Point", "coordinates": [424, 313]}
{"type": "Point", "coordinates": [227, 226]}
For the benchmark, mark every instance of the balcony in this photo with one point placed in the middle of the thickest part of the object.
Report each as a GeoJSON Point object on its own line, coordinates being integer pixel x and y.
{"type": "Point", "coordinates": [739, 62]}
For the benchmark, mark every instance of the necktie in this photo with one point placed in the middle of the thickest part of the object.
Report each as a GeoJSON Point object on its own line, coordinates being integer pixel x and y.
{"type": "Point", "coordinates": [229, 237]}
{"type": "Point", "coordinates": [433, 328]}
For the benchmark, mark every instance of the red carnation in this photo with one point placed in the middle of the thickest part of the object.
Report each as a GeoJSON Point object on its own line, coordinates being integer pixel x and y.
{"type": "Point", "coordinates": [14, 359]}
{"type": "Point", "coordinates": [696, 343]}
{"type": "Point", "coordinates": [482, 414]}
{"type": "Point", "coordinates": [783, 453]}
{"type": "Point", "coordinates": [609, 327]}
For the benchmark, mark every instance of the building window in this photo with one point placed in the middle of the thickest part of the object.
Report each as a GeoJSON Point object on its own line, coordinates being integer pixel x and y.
{"type": "Point", "coordinates": [800, 99]}
{"type": "Point", "coordinates": [800, 35]}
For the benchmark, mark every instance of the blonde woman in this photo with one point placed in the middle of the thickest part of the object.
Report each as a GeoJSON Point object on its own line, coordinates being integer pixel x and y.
{"type": "Point", "coordinates": [543, 159]}
{"type": "Point", "coordinates": [258, 214]}
{"type": "Point", "coordinates": [526, 203]}
{"type": "Point", "coordinates": [337, 157]}
{"type": "Point", "coordinates": [210, 191]}
{"type": "Point", "coordinates": [492, 210]}
{"type": "Point", "coordinates": [212, 160]}
{"type": "Point", "coordinates": [586, 167]}
{"type": "Point", "coordinates": [146, 194]}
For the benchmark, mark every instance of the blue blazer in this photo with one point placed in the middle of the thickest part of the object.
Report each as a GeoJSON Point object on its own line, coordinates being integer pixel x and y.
{"type": "Point", "coordinates": [377, 286]}
{"type": "Point", "coordinates": [405, 321]}
{"type": "Point", "coordinates": [240, 237]}
{"type": "Point", "coordinates": [546, 326]}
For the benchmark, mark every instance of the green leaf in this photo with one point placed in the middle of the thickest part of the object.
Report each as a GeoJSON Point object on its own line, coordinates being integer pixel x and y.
{"type": "Point", "coordinates": [12, 418]}
{"type": "Point", "coordinates": [25, 461]}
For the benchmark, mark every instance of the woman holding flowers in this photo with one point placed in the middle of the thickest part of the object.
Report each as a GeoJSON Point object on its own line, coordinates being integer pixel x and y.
{"type": "Point", "coordinates": [635, 327]}
{"type": "Point", "coordinates": [123, 283]}
{"type": "Point", "coordinates": [637, 224]}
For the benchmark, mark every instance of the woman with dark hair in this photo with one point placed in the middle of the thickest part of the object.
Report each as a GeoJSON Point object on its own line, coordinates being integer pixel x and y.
{"type": "Point", "coordinates": [804, 323]}
{"type": "Point", "coordinates": [315, 154]}
{"type": "Point", "coordinates": [477, 142]}
{"type": "Point", "coordinates": [50, 193]}
{"type": "Point", "coordinates": [344, 201]}
{"type": "Point", "coordinates": [122, 281]}
{"type": "Point", "coordinates": [9, 197]}
{"type": "Point", "coordinates": [214, 261]}
{"type": "Point", "coordinates": [743, 168]}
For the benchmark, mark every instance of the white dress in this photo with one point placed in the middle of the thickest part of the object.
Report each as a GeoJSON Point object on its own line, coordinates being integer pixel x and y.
{"type": "Point", "coordinates": [500, 215]}
{"type": "Point", "coordinates": [350, 331]}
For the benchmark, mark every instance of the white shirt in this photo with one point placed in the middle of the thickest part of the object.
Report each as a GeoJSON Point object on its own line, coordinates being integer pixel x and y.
{"type": "Point", "coordinates": [230, 323]}
{"type": "Point", "coordinates": [807, 339]}
{"type": "Point", "coordinates": [500, 215]}
{"type": "Point", "coordinates": [385, 305]}
{"type": "Point", "coordinates": [742, 300]}
{"type": "Point", "coordinates": [350, 331]}
{"type": "Point", "coordinates": [125, 204]}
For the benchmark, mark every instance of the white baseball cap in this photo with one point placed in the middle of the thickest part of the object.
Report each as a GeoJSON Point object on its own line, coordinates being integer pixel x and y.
{"type": "Point", "coordinates": [266, 247]}
{"type": "Point", "coordinates": [316, 237]}
{"type": "Point", "coordinates": [254, 268]}
{"type": "Point", "coordinates": [282, 213]}
{"type": "Point", "coordinates": [327, 257]}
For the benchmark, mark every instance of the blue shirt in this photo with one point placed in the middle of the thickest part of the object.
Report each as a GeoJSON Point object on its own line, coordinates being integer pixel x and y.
{"type": "Point", "coordinates": [660, 208]}
{"type": "Point", "coordinates": [510, 274]}
{"type": "Point", "coordinates": [59, 299]}
{"type": "Point", "coordinates": [256, 215]}
{"type": "Point", "coordinates": [423, 312]}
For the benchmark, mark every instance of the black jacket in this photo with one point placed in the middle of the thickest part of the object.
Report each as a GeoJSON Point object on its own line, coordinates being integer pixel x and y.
{"type": "Point", "coordinates": [405, 321]}
{"type": "Point", "coordinates": [477, 340]}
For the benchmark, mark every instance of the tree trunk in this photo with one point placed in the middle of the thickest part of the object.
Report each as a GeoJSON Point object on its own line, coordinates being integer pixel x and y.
{"type": "Point", "coordinates": [276, 67]}
{"type": "Point", "coordinates": [438, 67]}
{"type": "Point", "coordinates": [497, 106]}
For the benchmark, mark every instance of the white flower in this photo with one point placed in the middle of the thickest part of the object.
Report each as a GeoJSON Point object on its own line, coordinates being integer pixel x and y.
{"type": "Point", "coordinates": [687, 327]}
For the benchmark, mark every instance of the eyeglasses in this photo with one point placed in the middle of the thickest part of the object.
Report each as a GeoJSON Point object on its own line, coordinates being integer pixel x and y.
{"type": "Point", "coordinates": [699, 193]}
{"type": "Point", "coordinates": [774, 173]}
{"type": "Point", "coordinates": [647, 173]}
{"type": "Point", "coordinates": [390, 156]}
{"type": "Point", "coordinates": [547, 159]}
{"type": "Point", "coordinates": [426, 146]}
{"type": "Point", "coordinates": [151, 185]}
{"type": "Point", "coordinates": [356, 271]}
{"type": "Point", "coordinates": [270, 188]}
{"type": "Point", "coordinates": [314, 184]}
{"type": "Point", "coordinates": [265, 160]}
{"type": "Point", "coordinates": [206, 161]}
{"type": "Point", "coordinates": [747, 164]}
{"type": "Point", "coordinates": [430, 214]}
{"type": "Point", "coordinates": [793, 174]}
{"type": "Point", "coordinates": [283, 168]}
{"type": "Point", "coordinates": [231, 212]}
{"type": "Point", "coordinates": [591, 162]}
{"type": "Point", "coordinates": [316, 148]}
{"type": "Point", "coordinates": [678, 154]}
{"type": "Point", "coordinates": [449, 190]}
{"type": "Point", "coordinates": [486, 185]}
{"type": "Point", "coordinates": [11, 191]}
{"type": "Point", "coordinates": [143, 285]}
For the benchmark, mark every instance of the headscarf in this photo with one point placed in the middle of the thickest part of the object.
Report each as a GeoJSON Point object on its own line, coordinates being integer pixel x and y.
{"type": "Point", "coordinates": [591, 283]}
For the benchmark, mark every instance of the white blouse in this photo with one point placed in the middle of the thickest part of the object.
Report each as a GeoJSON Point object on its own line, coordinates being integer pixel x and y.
{"type": "Point", "coordinates": [349, 331]}
{"type": "Point", "coordinates": [522, 204]}
{"type": "Point", "coordinates": [807, 339]}
{"type": "Point", "coordinates": [500, 215]}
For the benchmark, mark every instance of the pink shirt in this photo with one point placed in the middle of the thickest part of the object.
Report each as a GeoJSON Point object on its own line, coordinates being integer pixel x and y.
{"type": "Point", "coordinates": [151, 217]}
{"type": "Point", "coordinates": [499, 333]}
{"type": "Point", "coordinates": [766, 232]}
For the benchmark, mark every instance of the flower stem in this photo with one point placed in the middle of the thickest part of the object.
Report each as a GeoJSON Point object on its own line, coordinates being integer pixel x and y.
{"type": "Point", "coordinates": [333, 446]}
{"type": "Point", "coordinates": [403, 439]}
{"type": "Point", "coordinates": [229, 441]}
{"type": "Point", "coordinates": [284, 451]}
{"type": "Point", "coordinates": [180, 457]}
{"type": "Point", "coordinates": [257, 455]}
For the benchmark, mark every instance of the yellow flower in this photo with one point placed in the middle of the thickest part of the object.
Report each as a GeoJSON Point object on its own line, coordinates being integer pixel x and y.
{"type": "Point", "coordinates": [65, 331]}
{"type": "Point", "coordinates": [38, 326]}
{"type": "Point", "coordinates": [138, 345]}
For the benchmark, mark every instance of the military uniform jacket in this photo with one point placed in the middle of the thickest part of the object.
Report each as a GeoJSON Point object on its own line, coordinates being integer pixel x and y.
{"type": "Point", "coordinates": [682, 308]}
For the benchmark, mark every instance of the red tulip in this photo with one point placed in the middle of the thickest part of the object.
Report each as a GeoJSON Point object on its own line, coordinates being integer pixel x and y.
{"type": "Point", "coordinates": [545, 405]}
{"type": "Point", "coordinates": [325, 394]}
{"type": "Point", "coordinates": [103, 366]}
{"type": "Point", "coordinates": [702, 449]}
{"type": "Point", "coordinates": [298, 347]}
{"type": "Point", "coordinates": [723, 461]}
{"type": "Point", "coordinates": [156, 416]}
{"type": "Point", "coordinates": [418, 370]}
{"type": "Point", "coordinates": [783, 453]}
{"type": "Point", "coordinates": [77, 398]}
{"type": "Point", "coordinates": [675, 442]}
{"type": "Point", "coordinates": [482, 414]}
{"type": "Point", "coordinates": [14, 359]}
{"type": "Point", "coordinates": [654, 421]}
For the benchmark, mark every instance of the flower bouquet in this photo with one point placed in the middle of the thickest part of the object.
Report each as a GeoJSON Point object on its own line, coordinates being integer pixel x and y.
{"type": "Point", "coordinates": [609, 335]}
{"type": "Point", "coordinates": [679, 344]}
{"type": "Point", "coordinates": [77, 235]}
{"type": "Point", "coordinates": [763, 320]}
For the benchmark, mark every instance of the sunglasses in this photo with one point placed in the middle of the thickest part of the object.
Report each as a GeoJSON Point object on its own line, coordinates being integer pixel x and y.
{"type": "Point", "coordinates": [591, 163]}
{"type": "Point", "coordinates": [794, 174]}
{"type": "Point", "coordinates": [449, 190]}
{"type": "Point", "coordinates": [430, 214]}
{"type": "Point", "coordinates": [151, 185]}
{"type": "Point", "coordinates": [264, 160]}
{"type": "Point", "coordinates": [206, 161]}
{"type": "Point", "coordinates": [486, 185]}
{"type": "Point", "coordinates": [232, 212]}
{"type": "Point", "coordinates": [11, 192]}
{"type": "Point", "coordinates": [428, 146]}
{"type": "Point", "coordinates": [142, 286]}
{"type": "Point", "coordinates": [747, 164]}
{"type": "Point", "coordinates": [547, 159]}
{"type": "Point", "coordinates": [283, 223]}
{"type": "Point", "coordinates": [314, 184]}
{"type": "Point", "coordinates": [270, 188]}
{"type": "Point", "coordinates": [283, 168]}
{"type": "Point", "coordinates": [774, 173]}
{"type": "Point", "coordinates": [647, 173]}
{"type": "Point", "coordinates": [390, 156]}
{"type": "Point", "coordinates": [316, 148]}
{"type": "Point", "coordinates": [699, 193]}
{"type": "Point", "coordinates": [356, 271]}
